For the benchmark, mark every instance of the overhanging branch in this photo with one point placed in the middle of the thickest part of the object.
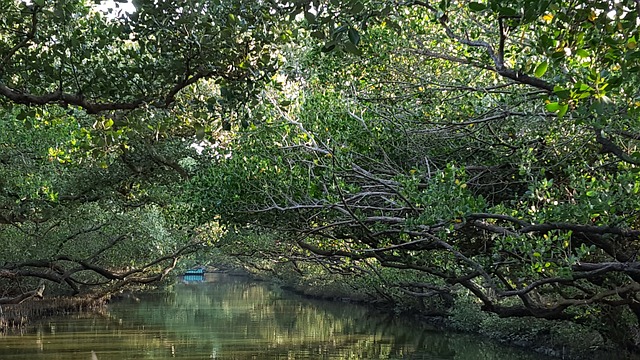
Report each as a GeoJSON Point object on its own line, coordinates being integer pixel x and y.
{"type": "Point", "coordinates": [67, 99]}
{"type": "Point", "coordinates": [91, 107]}
{"type": "Point", "coordinates": [496, 57]}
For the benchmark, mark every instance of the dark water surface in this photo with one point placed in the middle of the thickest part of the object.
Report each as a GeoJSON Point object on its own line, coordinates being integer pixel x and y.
{"type": "Point", "coordinates": [235, 318]}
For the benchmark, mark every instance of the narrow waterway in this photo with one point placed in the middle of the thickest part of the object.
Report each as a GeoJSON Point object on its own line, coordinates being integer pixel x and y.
{"type": "Point", "coordinates": [235, 318]}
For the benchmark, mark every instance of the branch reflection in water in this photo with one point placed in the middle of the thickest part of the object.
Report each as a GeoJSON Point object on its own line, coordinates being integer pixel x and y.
{"type": "Point", "coordinates": [235, 318]}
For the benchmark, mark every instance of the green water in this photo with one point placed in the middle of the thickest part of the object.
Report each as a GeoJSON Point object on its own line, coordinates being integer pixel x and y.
{"type": "Point", "coordinates": [234, 318]}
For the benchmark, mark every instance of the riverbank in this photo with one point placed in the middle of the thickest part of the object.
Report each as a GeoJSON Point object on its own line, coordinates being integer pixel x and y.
{"type": "Point", "coordinates": [559, 339]}
{"type": "Point", "coordinates": [17, 316]}
{"type": "Point", "coordinates": [556, 339]}
{"type": "Point", "coordinates": [563, 340]}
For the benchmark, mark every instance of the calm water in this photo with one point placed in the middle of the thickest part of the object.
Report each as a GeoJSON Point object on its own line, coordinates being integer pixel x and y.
{"type": "Point", "coordinates": [234, 318]}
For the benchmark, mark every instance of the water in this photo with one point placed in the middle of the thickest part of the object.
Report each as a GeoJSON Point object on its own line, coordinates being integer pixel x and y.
{"type": "Point", "coordinates": [237, 319]}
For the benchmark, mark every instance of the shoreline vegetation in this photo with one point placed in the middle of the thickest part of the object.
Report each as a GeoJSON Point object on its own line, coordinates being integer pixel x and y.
{"type": "Point", "coordinates": [563, 340]}
{"type": "Point", "coordinates": [475, 162]}
{"type": "Point", "coordinates": [16, 317]}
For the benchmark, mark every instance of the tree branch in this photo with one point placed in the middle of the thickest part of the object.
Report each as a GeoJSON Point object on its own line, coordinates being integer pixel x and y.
{"type": "Point", "coordinates": [31, 33]}
{"type": "Point", "coordinates": [500, 67]}
{"type": "Point", "coordinates": [609, 147]}
{"type": "Point", "coordinates": [37, 293]}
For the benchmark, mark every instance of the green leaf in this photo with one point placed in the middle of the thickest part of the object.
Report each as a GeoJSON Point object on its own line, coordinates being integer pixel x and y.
{"type": "Point", "coordinates": [561, 92]}
{"type": "Point", "coordinates": [541, 69]}
{"type": "Point", "coordinates": [339, 30]}
{"type": "Point", "coordinates": [199, 132]}
{"type": "Point", "coordinates": [311, 19]}
{"type": "Point", "coordinates": [354, 37]}
{"type": "Point", "coordinates": [357, 8]}
{"type": "Point", "coordinates": [582, 53]}
{"type": "Point", "coordinates": [506, 11]}
{"type": "Point", "coordinates": [553, 107]}
{"type": "Point", "coordinates": [563, 110]}
{"type": "Point", "coordinates": [108, 124]}
{"type": "Point", "coordinates": [476, 6]}
{"type": "Point", "coordinates": [349, 47]}
{"type": "Point", "coordinates": [584, 87]}
{"type": "Point", "coordinates": [318, 35]}
{"type": "Point", "coordinates": [328, 47]}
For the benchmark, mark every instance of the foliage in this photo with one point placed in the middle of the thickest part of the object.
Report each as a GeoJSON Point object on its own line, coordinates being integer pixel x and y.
{"type": "Point", "coordinates": [72, 53]}
{"type": "Point", "coordinates": [78, 220]}
{"type": "Point", "coordinates": [422, 150]}
{"type": "Point", "coordinates": [488, 146]}
{"type": "Point", "coordinates": [99, 112]}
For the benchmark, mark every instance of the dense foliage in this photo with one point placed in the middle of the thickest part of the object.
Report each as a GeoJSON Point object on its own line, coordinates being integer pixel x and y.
{"type": "Point", "coordinates": [490, 147]}
{"type": "Point", "coordinates": [417, 150]}
{"type": "Point", "coordinates": [100, 108]}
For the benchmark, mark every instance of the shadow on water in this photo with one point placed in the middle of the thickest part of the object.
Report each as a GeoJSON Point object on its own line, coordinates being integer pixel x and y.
{"type": "Point", "coordinates": [235, 318]}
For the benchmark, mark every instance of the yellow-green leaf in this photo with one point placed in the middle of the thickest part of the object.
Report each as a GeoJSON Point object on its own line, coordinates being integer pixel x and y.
{"type": "Point", "coordinates": [541, 69]}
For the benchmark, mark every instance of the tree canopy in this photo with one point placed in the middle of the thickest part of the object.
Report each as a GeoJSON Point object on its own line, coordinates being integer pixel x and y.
{"type": "Point", "coordinates": [99, 111]}
{"type": "Point", "coordinates": [418, 149]}
{"type": "Point", "coordinates": [485, 146]}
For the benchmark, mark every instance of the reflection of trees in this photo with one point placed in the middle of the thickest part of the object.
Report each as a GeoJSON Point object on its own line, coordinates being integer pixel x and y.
{"type": "Point", "coordinates": [270, 322]}
{"type": "Point", "coordinates": [242, 319]}
{"type": "Point", "coordinates": [239, 319]}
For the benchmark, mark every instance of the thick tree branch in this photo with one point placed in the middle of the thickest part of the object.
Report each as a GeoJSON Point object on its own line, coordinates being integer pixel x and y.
{"type": "Point", "coordinates": [524, 227]}
{"type": "Point", "coordinates": [67, 99]}
{"type": "Point", "coordinates": [90, 107]}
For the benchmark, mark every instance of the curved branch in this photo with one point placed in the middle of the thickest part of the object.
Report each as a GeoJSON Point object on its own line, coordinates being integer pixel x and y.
{"type": "Point", "coordinates": [526, 227]}
{"type": "Point", "coordinates": [508, 218]}
{"type": "Point", "coordinates": [35, 9]}
{"type": "Point", "coordinates": [496, 57]}
{"type": "Point", "coordinates": [64, 99]}
{"type": "Point", "coordinates": [609, 147]}
{"type": "Point", "coordinates": [67, 99]}
{"type": "Point", "coordinates": [577, 228]}
{"type": "Point", "coordinates": [598, 270]}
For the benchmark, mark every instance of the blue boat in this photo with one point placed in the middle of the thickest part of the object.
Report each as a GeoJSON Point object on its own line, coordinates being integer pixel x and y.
{"type": "Point", "coordinates": [194, 275]}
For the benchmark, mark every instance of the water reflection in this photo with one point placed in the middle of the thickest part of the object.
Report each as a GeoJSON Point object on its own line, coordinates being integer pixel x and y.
{"type": "Point", "coordinates": [232, 318]}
